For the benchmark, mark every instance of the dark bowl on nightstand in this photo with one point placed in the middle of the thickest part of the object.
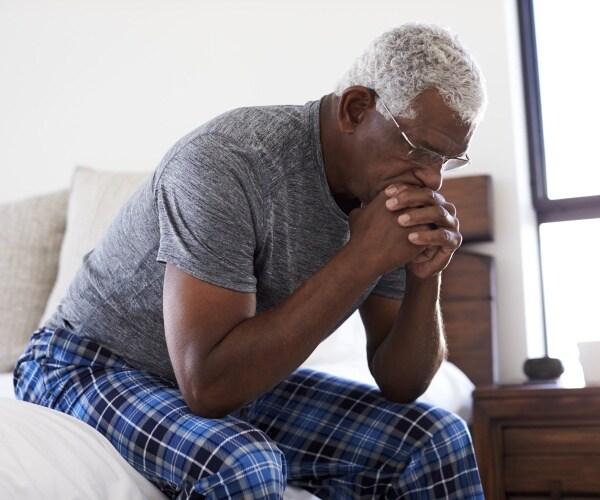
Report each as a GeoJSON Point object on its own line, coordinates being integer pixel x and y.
{"type": "Point", "coordinates": [545, 368]}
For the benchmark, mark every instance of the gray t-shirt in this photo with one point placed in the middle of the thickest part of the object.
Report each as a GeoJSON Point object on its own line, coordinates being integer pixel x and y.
{"type": "Point", "coordinates": [242, 202]}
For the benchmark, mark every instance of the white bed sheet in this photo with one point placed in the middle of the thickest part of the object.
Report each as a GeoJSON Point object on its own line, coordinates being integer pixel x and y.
{"type": "Point", "coordinates": [47, 455]}
{"type": "Point", "coordinates": [50, 455]}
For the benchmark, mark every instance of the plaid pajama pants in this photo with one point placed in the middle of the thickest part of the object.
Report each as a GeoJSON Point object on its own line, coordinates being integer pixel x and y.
{"type": "Point", "coordinates": [335, 438]}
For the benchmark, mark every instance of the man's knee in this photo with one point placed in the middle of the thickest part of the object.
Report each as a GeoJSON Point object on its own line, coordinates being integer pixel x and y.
{"type": "Point", "coordinates": [263, 461]}
{"type": "Point", "coordinates": [252, 467]}
{"type": "Point", "coordinates": [422, 418]}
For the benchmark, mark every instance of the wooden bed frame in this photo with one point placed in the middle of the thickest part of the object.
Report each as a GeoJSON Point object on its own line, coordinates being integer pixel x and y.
{"type": "Point", "coordinates": [468, 283]}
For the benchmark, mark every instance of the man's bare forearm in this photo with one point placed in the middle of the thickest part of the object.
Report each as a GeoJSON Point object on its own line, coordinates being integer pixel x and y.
{"type": "Point", "coordinates": [409, 356]}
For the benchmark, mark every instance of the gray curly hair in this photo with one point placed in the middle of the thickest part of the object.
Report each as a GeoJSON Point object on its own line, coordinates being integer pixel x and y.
{"type": "Point", "coordinates": [404, 61]}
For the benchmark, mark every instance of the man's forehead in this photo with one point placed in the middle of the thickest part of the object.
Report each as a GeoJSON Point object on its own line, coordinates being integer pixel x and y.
{"type": "Point", "coordinates": [438, 125]}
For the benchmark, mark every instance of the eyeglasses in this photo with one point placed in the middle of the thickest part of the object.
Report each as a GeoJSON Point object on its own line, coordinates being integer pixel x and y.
{"type": "Point", "coordinates": [427, 157]}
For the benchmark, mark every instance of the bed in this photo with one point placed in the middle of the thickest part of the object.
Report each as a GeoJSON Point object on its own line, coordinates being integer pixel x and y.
{"type": "Point", "coordinates": [46, 454]}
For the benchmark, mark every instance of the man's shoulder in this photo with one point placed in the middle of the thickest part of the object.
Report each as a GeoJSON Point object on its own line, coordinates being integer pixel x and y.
{"type": "Point", "coordinates": [259, 145]}
{"type": "Point", "coordinates": [251, 120]}
{"type": "Point", "coordinates": [258, 131]}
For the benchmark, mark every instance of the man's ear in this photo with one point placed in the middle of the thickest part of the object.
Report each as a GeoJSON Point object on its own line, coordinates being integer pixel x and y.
{"type": "Point", "coordinates": [354, 105]}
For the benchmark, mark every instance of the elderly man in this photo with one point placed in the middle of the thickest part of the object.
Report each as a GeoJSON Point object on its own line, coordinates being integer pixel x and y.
{"type": "Point", "coordinates": [181, 336]}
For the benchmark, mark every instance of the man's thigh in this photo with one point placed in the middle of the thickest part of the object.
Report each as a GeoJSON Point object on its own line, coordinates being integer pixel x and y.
{"type": "Point", "coordinates": [322, 418]}
{"type": "Point", "coordinates": [149, 423]}
{"type": "Point", "coordinates": [341, 435]}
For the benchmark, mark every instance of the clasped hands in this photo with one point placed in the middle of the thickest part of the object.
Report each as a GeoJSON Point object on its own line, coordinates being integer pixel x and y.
{"type": "Point", "coordinates": [408, 225]}
{"type": "Point", "coordinates": [418, 207]}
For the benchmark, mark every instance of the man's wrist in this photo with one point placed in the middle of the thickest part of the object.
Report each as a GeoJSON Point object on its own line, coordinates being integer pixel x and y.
{"type": "Point", "coordinates": [424, 290]}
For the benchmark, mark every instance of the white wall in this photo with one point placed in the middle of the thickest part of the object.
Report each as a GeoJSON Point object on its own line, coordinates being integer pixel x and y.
{"type": "Point", "coordinates": [112, 84]}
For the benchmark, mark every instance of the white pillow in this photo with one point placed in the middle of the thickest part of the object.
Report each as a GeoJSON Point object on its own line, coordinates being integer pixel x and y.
{"type": "Point", "coordinates": [49, 455]}
{"type": "Point", "coordinates": [95, 198]}
{"type": "Point", "coordinates": [31, 232]}
{"type": "Point", "coordinates": [343, 354]}
{"type": "Point", "coordinates": [347, 343]}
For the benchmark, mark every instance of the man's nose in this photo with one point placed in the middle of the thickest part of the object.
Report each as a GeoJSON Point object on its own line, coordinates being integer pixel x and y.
{"type": "Point", "coordinates": [430, 175]}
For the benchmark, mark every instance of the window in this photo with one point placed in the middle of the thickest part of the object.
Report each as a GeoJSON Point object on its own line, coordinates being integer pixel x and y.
{"type": "Point", "coordinates": [561, 72]}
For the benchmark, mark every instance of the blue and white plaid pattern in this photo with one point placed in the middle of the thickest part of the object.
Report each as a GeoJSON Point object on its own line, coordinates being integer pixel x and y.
{"type": "Point", "coordinates": [335, 438]}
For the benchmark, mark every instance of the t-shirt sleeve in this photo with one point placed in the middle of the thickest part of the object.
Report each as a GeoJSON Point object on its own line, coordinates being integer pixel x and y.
{"type": "Point", "coordinates": [392, 285]}
{"type": "Point", "coordinates": [208, 206]}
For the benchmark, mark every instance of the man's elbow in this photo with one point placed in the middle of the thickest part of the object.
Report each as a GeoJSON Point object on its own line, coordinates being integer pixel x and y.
{"type": "Point", "coordinates": [208, 403]}
{"type": "Point", "coordinates": [405, 393]}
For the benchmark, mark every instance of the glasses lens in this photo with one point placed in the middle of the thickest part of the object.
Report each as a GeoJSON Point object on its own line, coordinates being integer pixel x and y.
{"type": "Point", "coordinates": [455, 163]}
{"type": "Point", "coordinates": [425, 157]}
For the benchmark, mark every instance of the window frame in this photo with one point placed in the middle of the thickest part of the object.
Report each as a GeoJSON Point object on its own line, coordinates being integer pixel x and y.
{"type": "Point", "coordinates": [546, 209]}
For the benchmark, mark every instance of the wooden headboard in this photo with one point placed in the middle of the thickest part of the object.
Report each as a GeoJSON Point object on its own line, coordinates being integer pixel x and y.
{"type": "Point", "coordinates": [468, 283]}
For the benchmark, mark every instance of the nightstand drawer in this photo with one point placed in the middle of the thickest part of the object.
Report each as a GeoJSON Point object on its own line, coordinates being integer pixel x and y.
{"type": "Point", "coordinates": [536, 458]}
{"type": "Point", "coordinates": [573, 474]}
{"type": "Point", "coordinates": [552, 440]}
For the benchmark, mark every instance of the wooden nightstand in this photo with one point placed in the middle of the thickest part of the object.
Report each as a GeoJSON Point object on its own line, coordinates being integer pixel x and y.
{"type": "Point", "coordinates": [538, 441]}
